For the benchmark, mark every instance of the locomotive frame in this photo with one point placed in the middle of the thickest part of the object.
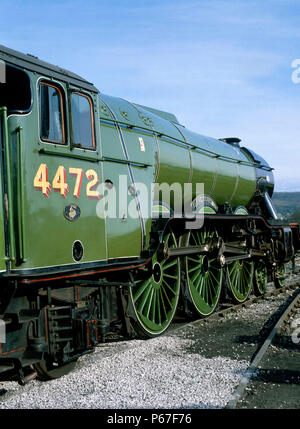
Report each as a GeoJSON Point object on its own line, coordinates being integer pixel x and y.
{"type": "Point", "coordinates": [67, 273]}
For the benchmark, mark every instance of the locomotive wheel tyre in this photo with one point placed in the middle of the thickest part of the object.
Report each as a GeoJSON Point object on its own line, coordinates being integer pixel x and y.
{"type": "Point", "coordinates": [154, 299]}
{"type": "Point", "coordinates": [50, 371]}
{"type": "Point", "coordinates": [204, 275]}
{"type": "Point", "coordinates": [260, 278]}
{"type": "Point", "coordinates": [240, 279]}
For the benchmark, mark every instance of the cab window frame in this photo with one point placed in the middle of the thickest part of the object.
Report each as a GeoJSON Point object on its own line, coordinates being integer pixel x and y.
{"type": "Point", "coordinates": [62, 97]}
{"type": "Point", "coordinates": [12, 67]}
{"type": "Point", "coordinates": [92, 121]}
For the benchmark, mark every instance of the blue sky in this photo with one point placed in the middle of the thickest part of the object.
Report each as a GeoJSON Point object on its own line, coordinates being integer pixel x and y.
{"type": "Point", "coordinates": [222, 66]}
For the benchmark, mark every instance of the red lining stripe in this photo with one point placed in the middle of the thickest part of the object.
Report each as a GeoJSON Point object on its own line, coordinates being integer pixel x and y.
{"type": "Point", "coordinates": [84, 274]}
{"type": "Point", "coordinates": [11, 351]}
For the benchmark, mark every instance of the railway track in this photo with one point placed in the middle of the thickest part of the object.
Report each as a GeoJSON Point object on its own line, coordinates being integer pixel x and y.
{"type": "Point", "coordinates": [286, 314]}
{"type": "Point", "coordinates": [227, 307]}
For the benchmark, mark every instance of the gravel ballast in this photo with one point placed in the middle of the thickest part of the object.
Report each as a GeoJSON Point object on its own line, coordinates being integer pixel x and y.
{"type": "Point", "coordinates": [158, 373]}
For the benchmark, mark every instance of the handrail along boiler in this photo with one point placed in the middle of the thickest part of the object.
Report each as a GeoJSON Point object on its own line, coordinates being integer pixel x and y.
{"type": "Point", "coordinates": [70, 271]}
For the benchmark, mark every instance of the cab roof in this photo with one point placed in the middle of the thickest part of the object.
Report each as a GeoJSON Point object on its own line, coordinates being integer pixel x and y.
{"type": "Point", "coordinates": [32, 63]}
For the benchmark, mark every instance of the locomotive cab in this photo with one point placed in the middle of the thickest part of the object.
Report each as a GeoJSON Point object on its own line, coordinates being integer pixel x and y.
{"type": "Point", "coordinates": [53, 164]}
{"type": "Point", "coordinates": [15, 98]}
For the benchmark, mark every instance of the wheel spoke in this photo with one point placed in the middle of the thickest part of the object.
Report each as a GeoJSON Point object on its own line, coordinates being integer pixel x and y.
{"type": "Point", "coordinates": [210, 291]}
{"type": "Point", "coordinates": [166, 295]}
{"type": "Point", "coordinates": [158, 306]}
{"type": "Point", "coordinates": [141, 290]}
{"type": "Point", "coordinates": [163, 302]}
{"type": "Point", "coordinates": [149, 304]}
{"type": "Point", "coordinates": [155, 299]}
{"type": "Point", "coordinates": [199, 283]}
{"type": "Point", "coordinates": [191, 270]}
{"type": "Point", "coordinates": [280, 276]}
{"type": "Point", "coordinates": [204, 276]}
{"type": "Point", "coordinates": [213, 276]}
{"type": "Point", "coordinates": [169, 276]}
{"type": "Point", "coordinates": [144, 300]}
{"type": "Point", "coordinates": [196, 275]}
{"type": "Point", "coordinates": [240, 275]}
{"type": "Point", "coordinates": [260, 278]}
{"type": "Point", "coordinates": [170, 264]}
{"type": "Point", "coordinates": [193, 260]}
{"type": "Point", "coordinates": [153, 306]}
{"type": "Point", "coordinates": [169, 287]}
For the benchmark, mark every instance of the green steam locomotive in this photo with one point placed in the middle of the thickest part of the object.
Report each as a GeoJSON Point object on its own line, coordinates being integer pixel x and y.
{"type": "Point", "coordinates": [102, 221]}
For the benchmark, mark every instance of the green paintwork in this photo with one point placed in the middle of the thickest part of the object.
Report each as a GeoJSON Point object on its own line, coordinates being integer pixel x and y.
{"type": "Point", "coordinates": [165, 115]}
{"type": "Point", "coordinates": [204, 275]}
{"type": "Point", "coordinates": [142, 144]}
{"type": "Point", "coordinates": [143, 168]}
{"type": "Point", "coordinates": [206, 210]}
{"type": "Point", "coordinates": [241, 211]}
{"type": "Point", "coordinates": [48, 236]}
{"type": "Point", "coordinates": [155, 298]}
{"type": "Point", "coordinates": [240, 276]}
{"type": "Point", "coordinates": [260, 278]}
{"type": "Point", "coordinates": [224, 180]}
{"type": "Point", "coordinates": [3, 254]}
{"type": "Point", "coordinates": [280, 276]}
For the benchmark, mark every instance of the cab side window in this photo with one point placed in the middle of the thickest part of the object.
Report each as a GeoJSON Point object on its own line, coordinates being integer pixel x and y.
{"type": "Point", "coordinates": [52, 126]}
{"type": "Point", "coordinates": [82, 121]}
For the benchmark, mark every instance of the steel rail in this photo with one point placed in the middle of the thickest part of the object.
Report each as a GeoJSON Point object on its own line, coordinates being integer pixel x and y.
{"type": "Point", "coordinates": [237, 395]}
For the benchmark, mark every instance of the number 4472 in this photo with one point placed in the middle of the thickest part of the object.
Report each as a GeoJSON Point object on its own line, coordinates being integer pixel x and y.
{"type": "Point", "coordinates": [59, 183]}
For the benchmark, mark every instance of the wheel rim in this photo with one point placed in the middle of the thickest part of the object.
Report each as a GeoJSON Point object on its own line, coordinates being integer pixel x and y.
{"type": "Point", "coordinates": [204, 275]}
{"type": "Point", "coordinates": [155, 299]}
{"type": "Point", "coordinates": [261, 277]}
{"type": "Point", "coordinates": [240, 275]}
